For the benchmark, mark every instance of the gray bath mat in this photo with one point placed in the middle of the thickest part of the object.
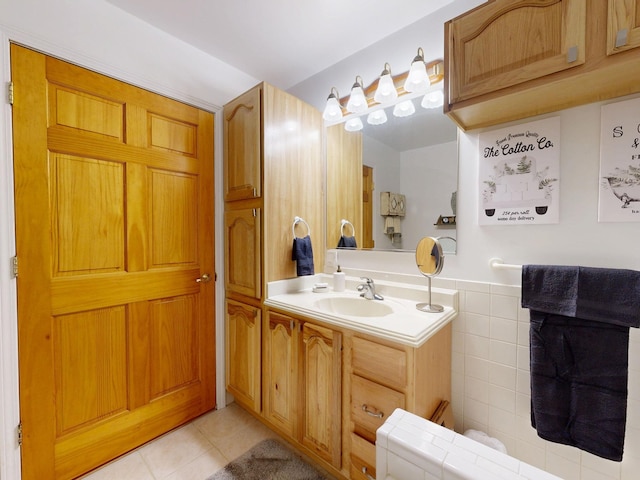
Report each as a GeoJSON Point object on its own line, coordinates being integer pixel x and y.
{"type": "Point", "coordinates": [269, 460]}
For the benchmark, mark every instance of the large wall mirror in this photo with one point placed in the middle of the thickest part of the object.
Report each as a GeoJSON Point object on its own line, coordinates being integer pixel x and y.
{"type": "Point", "coordinates": [414, 156]}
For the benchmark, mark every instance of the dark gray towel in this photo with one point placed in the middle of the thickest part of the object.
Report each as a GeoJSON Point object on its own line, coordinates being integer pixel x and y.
{"type": "Point", "coordinates": [347, 242]}
{"type": "Point", "coordinates": [302, 253]}
{"type": "Point", "coordinates": [600, 294]}
{"type": "Point", "coordinates": [579, 336]}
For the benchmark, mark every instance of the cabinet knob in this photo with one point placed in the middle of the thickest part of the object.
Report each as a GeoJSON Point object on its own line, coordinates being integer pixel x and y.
{"type": "Point", "coordinates": [373, 413]}
{"type": "Point", "coordinates": [364, 472]}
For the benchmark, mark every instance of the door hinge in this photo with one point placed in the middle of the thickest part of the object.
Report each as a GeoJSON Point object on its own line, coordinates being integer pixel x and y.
{"type": "Point", "coordinates": [14, 267]}
{"type": "Point", "coordinates": [19, 434]}
{"type": "Point", "coordinates": [10, 93]}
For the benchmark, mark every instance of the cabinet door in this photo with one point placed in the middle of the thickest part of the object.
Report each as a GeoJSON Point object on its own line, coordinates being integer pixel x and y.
{"type": "Point", "coordinates": [243, 252]}
{"type": "Point", "coordinates": [242, 146]}
{"type": "Point", "coordinates": [623, 25]}
{"type": "Point", "coordinates": [322, 360]}
{"type": "Point", "coordinates": [506, 42]}
{"type": "Point", "coordinates": [280, 371]}
{"type": "Point", "coordinates": [242, 342]}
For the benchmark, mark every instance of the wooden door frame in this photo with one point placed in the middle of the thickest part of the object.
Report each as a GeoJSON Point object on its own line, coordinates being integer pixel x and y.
{"type": "Point", "coordinates": [9, 393]}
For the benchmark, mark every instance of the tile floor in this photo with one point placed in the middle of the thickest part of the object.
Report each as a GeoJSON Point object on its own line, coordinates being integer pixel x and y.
{"type": "Point", "coordinates": [192, 452]}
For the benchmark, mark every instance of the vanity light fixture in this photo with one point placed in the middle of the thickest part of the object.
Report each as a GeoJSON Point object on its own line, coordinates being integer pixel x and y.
{"type": "Point", "coordinates": [357, 100]}
{"type": "Point", "coordinates": [417, 81]}
{"type": "Point", "coordinates": [377, 117]}
{"type": "Point", "coordinates": [433, 99]}
{"type": "Point", "coordinates": [404, 109]}
{"type": "Point", "coordinates": [333, 110]}
{"type": "Point", "coordinates": [353, 124]}
{"type": "Point", "coordinates": [386, 91]}
{"type": "Point", "coordinates": [422, 80]}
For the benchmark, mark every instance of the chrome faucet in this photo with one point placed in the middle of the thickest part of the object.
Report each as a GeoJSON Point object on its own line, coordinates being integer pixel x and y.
{"type": "Point", "coordinates": [368, 289]}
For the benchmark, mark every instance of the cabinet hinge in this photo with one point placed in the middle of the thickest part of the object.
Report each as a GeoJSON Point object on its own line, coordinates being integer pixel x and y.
{"type": "Point", "coordinates": [19, 434]}
{"type": "Point", "coordinates": [14, 267]}
{"type": "Point", "coordinates": [10, 93]}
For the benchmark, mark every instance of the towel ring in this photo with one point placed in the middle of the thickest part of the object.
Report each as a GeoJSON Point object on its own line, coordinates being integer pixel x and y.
{"type": "Point", "coordinates": [344, 222]}
{"type": "Point", "coordinates": [297, 220]}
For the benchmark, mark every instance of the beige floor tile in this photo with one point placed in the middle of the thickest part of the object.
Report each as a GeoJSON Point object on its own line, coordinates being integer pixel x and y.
{"type": "Point", "coordinates": [129, 467]}
{"type": "Point", "coordinates": [200, 468]}
{"type": "Point", "coordinates": [174, 450]}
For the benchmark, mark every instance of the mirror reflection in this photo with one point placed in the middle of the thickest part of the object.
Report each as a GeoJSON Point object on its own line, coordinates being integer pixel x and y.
{"type": "Point", "coordinates": [413, 157]}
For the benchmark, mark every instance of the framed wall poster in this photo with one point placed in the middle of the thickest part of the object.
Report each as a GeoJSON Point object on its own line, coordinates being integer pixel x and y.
{"type": "Point", "coordinates": [619, 192]}
{"type": "Point", "coordinates": [520, 174]}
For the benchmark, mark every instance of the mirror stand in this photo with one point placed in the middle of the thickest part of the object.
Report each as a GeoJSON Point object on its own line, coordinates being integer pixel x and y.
{"type": "Point", "coordinates": [429, 259]}
{"type": "Point", "coordinates": [429, 307]}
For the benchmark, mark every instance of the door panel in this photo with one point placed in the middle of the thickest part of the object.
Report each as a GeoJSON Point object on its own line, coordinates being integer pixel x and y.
{"type": "Point", "coordinates": [114, 224]}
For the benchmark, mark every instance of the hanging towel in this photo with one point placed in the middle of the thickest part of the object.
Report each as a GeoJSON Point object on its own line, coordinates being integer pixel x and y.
{"type": "Point", "coordinates": [388, 225]}
{"type": "Point", "coordinates": [579, 338]}
{"type": "Point", "coordinates": [302, 253]}
{"type": "Point", "coordinates": [397, 225]}
{"type": "Point", "coordinates": [347, 242]}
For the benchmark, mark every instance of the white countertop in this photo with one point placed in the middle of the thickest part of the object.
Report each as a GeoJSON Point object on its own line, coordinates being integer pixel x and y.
{"type": "Point", "coordinates": [405, 325]}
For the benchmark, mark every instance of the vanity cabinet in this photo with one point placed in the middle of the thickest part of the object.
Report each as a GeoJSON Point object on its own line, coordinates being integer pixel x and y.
{"type": "Point", "coordinates": [273, 172]}
{"type": "Point", "coordinates": [242, 146]}
{"type": "Point", "coordinates": [243, 252]}
{"type": "Point", "coordinates": [302, 374]}
{"type": "Point", "coordinates": [511, 59]}
{"type": "Point", "coordinates": [504, 43]}
{"type": "Point", "coordinates": [242, 344]}
{"type": "Point", "coordinates": [322, 387]}
{"type": "Point", "coordinates": [385, 376]}
{"type": "Point", "coordinates": [281, 372]}
{"type": "Point", "coordinates": [623, 29]}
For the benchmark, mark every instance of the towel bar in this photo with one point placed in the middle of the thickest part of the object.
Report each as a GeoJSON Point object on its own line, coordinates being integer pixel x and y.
{"type": "Point", "coordinates": [297, 220]}
{"type": "Point", "coordinates": [344, 222]}
{"type": "Point", "coordinates": [498, 264]}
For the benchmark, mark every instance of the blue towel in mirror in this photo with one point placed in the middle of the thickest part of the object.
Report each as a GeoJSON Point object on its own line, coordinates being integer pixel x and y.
{"type": "Point", "coordinates": [347, 242]}
{"type": "Point", "coordinates": [579, 339]}
{"type": "Point", "coordinates": [302, 253]}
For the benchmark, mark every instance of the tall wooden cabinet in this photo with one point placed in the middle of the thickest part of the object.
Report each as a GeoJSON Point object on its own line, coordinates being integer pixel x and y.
{"type": "Point", "coordinates": [511, 59]}
{"type": "Point", "coordinates": [273, 172]}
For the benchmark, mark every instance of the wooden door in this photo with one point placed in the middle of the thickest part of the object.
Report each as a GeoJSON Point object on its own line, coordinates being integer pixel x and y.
{"type": "Point", "coordinates": [280, 370]}
{"type": "Point", "coordinates": [243, 146]}
{"type": "Point", "coordinates": [114, 226]}
{"type": "Point", "coordinates": [367, 207]}
{"type": "Point", "coordinates": [242, 326]}
{"type": "Point", "coordinates": [623, 25]}
{"type": "Point", "coordinates": [322, 359]}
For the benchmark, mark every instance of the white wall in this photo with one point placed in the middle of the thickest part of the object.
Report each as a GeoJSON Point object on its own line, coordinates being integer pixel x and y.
{"type": "Point", "coordinates": [423, 175]}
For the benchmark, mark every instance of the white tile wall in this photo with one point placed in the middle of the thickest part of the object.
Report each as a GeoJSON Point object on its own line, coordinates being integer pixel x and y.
{"type": "Point", "coordinates": [490, 379]}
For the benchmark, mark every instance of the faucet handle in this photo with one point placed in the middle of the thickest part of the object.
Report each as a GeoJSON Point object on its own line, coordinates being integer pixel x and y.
{"type": "Point", "coordinates": [367, 279]}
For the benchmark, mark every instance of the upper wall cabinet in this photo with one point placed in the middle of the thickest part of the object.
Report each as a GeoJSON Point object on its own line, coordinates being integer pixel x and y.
{"type": "Point", "coordinates": [623, 31]}
{"type": "Point", "coordinates": [512, 59]}
{"type": "Point", "coordinates": [505, 43]}
{"type": "Point", "coordinates": [242, 146]}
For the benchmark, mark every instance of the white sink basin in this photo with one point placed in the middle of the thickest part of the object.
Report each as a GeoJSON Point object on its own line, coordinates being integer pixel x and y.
{"type": "Point", "coordinates": [353, 306]}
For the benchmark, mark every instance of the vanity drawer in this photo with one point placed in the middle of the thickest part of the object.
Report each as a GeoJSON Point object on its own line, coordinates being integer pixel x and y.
{"type": "Point", "coordinates": [371, 404]}
{"type": "Point", "coordinates": [361, 470]}
{"type": "Point", "coordinates": [377, 362]}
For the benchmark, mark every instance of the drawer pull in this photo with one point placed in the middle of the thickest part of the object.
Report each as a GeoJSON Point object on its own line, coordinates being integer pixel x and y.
{"type": "Point", "coordinates": [373, 413]}
{"type": "Point", "coordinates": [364, 472]}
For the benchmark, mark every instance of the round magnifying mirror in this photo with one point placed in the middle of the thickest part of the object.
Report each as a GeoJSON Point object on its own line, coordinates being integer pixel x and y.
{"type": "Point", "coordinates": [429, 259]}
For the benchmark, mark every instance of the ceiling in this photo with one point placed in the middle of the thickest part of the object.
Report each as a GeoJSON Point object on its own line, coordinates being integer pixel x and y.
{"type": "Point", "coordinates": [282, 42]}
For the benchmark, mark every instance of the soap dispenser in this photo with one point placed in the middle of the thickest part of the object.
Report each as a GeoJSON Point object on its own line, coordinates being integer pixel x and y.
{"type": "Point", "coordinates": [338, 280]}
